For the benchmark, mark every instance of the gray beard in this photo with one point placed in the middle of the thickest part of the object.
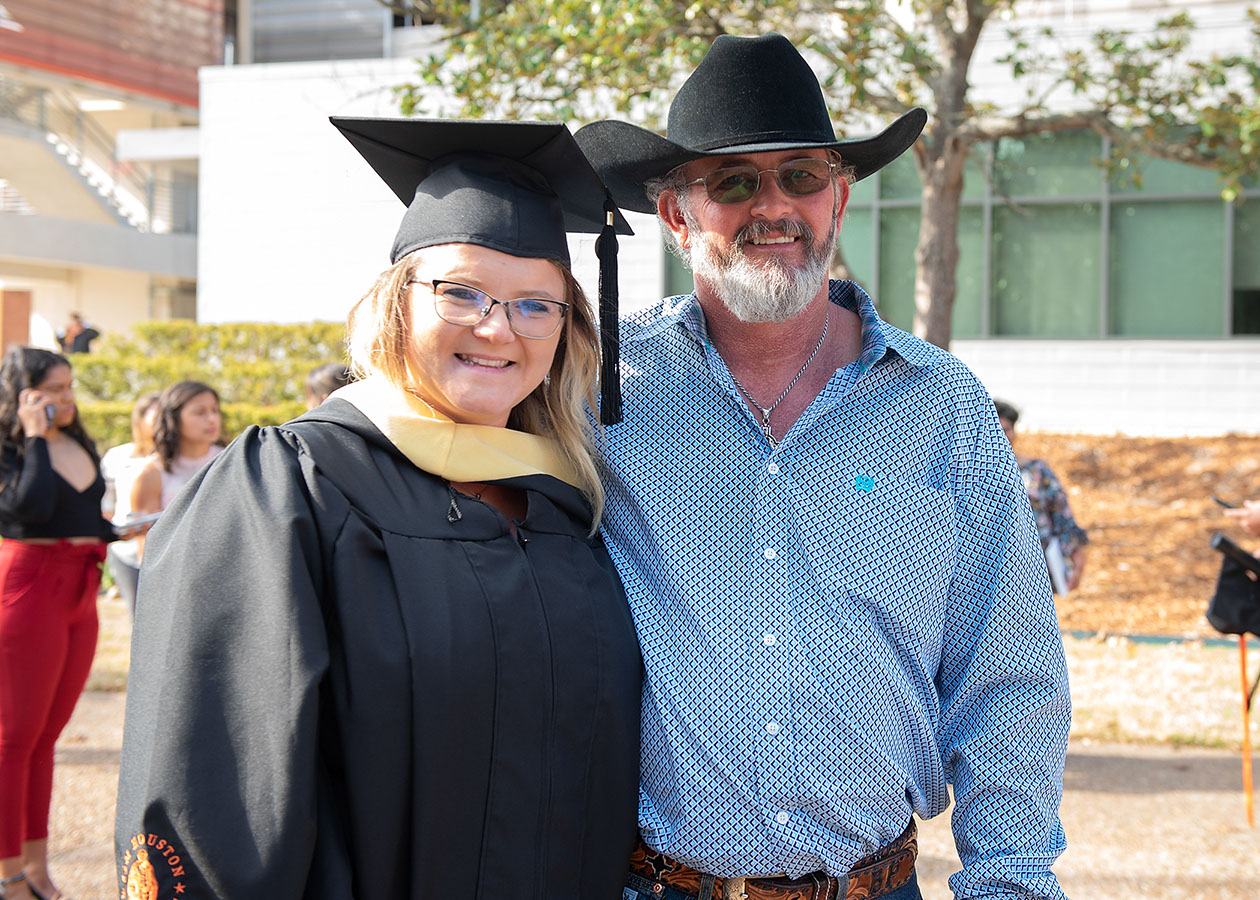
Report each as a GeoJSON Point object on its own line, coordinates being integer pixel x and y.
{"type": "Point", "coordinates": [768, 291]}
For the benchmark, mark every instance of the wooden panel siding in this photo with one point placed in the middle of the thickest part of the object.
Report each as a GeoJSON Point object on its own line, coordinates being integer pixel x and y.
{"type": "Point", "coordinates": [151, 47]}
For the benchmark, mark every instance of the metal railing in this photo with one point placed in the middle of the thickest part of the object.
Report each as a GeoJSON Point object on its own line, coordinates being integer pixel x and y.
{"type": "Point", "coordinates": [12, 202]}
{"type": "Point", "coordinates": [141, 194]}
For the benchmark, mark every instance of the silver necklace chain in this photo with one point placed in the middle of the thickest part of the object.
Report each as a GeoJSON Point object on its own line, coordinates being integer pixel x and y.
{"type": "Point", "coordinates": [766, 410]}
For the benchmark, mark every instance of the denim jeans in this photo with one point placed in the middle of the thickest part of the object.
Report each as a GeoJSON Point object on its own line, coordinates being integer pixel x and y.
{"type": "Point", "coordinates": [641, 889]}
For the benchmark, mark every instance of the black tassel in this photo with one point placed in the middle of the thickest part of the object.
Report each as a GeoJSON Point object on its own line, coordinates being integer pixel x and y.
{"type": "Point", "coordinates": [609, 342]}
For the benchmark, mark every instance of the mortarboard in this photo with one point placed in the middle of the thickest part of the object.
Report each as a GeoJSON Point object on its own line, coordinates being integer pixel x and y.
{"type": "Point", "coordinates": [516, 187]}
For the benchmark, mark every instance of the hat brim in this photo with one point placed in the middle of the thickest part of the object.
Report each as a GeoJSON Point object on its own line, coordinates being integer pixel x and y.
{"type": "Point", "coordinates": [626, 155]}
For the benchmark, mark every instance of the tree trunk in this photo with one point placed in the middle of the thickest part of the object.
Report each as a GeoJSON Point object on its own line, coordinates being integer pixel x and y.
{"type": "Point", "coordinates": [936, 257]}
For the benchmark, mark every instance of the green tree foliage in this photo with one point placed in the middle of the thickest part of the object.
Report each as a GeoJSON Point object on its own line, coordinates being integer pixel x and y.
{"type": "Point", "coordinates": [579, 60]}
{"type": "Point", "coordinates": [259, 370]}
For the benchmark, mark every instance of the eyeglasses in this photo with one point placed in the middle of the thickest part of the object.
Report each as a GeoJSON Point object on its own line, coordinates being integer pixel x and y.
{"type": "Point", "coordinates": [529, 317]}
{"type": "Point", "coordinates": [797, 177]}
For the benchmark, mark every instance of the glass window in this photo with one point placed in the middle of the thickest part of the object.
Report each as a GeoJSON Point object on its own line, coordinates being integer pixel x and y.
{"type": "Point", "coordinates": [968, 321]}
{"type": "Point", "coordinates": [1167, 269]}
{"type": "Point", "coordinates": [1163, 177]}
{"type": "Point", "coordinates": [857, 244]}
{"type": "Point", "coordinates": [678, 278]}
{"type": "Point", "coordinates": [974, 172]}
{"type": "Point", "coordinates": [898, 235]}
{"type": "Point", "coordinates": [899, 180]}
{"type": "Point", "coordinates": [863, 192]}
{"type": "Point", "coordinates": [1246, 299]}
{"type": "Point", "coordinates": [1046, 270]}
{"type": "Point", "coordinates": [1052, 165]}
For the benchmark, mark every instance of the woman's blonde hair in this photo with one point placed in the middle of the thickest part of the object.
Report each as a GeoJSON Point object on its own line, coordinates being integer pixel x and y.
{"type": "Point", "coordinates": [379, 334]}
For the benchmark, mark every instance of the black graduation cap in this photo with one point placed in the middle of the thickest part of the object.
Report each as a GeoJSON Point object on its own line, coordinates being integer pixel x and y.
{"type": "Point", "coordinates": [516, 187]}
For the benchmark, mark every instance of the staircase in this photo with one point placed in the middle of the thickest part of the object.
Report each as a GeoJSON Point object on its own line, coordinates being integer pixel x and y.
{"type": "Point", "coordinates": [13, 202]}
{"type": "Point", "coordinates": [61, 163]}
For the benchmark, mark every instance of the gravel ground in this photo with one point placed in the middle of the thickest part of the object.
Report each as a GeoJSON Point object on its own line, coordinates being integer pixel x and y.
{"type": "Point", "coordinates": [1147, 817]}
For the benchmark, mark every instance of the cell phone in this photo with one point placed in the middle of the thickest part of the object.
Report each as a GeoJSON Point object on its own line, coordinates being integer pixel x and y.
{"type": "Point", "coordinates": [1225, 503]}
{"type": "Point", "coordinates": [1233, 551]}
{"type": "Point", "coordinates": [135, 522]}
{"type": "Point", "coordinates": [50, 412]}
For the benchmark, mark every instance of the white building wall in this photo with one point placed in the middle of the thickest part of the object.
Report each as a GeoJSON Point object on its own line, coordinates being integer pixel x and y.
{"type": "Point", "coordinates": [1220, 27]}
{"type": "Point", "coordinates": [1151, 387]}
{"type": "Point", "coordinates": [640, 263]}
{"type": "Point", "coordinates": [109, 299]}
{"type": "Point", "coordinates": [293, 224]}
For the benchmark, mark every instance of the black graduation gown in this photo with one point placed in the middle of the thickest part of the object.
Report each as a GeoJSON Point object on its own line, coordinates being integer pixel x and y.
{"type": "Point", "coordinates": [336, 692]}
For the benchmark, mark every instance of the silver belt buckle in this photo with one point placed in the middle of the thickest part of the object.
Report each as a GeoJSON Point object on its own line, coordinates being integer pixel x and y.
{"type": "Point", "coordinates": [733, 888]}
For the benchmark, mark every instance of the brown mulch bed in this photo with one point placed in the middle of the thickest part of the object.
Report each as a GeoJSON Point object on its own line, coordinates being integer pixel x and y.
{"type": "Point", "coordinates": [1147, 505]}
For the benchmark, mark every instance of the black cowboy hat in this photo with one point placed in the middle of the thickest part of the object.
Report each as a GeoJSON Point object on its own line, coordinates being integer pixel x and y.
{"type": "Point", "coordinates": [748, 95]}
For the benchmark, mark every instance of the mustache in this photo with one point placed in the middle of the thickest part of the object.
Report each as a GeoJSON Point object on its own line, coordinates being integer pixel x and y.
{"type": "Point", "coordinates": [784, 227]}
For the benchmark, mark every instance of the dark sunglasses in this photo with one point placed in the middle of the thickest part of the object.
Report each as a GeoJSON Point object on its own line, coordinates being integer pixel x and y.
{"type": "Point", "coordinates": [797, 177]}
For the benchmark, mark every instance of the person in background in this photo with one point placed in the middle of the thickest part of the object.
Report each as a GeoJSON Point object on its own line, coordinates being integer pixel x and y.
{"type": "Point", "coordinates": [77, 336]}
{"type": "Point", "coordinates": [1056, 525]}
{"type": "Point", "coordinates": [54, 540]}
{"type": "Point", "coordinates": [323, 380]}
{"type": "Point", "coordinates": [185, 438]}
{"type": "Point", "coordinates": [120, 467]}
{"type": "Point", "coordinates": [388, 656]}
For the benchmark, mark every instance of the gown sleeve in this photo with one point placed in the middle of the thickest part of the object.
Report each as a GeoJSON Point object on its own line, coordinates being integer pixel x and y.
{"type": "Point", "coordinates": [217, 788]}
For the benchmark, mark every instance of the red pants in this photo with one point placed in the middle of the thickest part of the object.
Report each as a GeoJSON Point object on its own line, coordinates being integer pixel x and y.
{"type": "Point", "coordinates": [48, 631]}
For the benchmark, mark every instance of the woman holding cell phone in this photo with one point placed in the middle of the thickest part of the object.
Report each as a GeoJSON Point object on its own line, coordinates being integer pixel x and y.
{"type": "Point", "coordinates": [54, 541]}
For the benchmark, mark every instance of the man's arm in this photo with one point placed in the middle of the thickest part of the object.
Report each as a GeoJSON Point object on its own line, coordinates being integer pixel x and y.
{"type": "Point", "coordinates": [1005, 709]}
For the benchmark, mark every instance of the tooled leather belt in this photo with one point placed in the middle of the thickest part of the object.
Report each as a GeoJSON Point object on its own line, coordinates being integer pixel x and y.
{"type": "Point", "coordinates": [872, 876]}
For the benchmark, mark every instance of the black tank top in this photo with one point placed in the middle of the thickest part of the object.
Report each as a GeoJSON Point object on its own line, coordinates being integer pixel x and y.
{"type": "Point", "coordinates": [28, 484]}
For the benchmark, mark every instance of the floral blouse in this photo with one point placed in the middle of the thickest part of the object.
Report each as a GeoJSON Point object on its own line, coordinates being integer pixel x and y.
{"type": "Point", "coordinates": [1051, 509]}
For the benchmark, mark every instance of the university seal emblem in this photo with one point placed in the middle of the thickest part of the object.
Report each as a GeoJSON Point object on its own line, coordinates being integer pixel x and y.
{"type": "Point", "coordinates": [152, 869]}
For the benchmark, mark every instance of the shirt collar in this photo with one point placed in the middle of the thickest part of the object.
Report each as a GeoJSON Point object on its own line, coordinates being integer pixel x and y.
{"type": "Point", "coordinates": [877, 335]}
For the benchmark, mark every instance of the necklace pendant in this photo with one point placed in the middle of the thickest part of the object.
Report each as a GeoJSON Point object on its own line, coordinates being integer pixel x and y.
{"type": "Point", "coordinates": [765, 428]}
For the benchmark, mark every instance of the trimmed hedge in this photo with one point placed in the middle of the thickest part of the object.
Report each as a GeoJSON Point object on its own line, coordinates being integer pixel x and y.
{"type": "Point", "coordinates": [259, 370]}
{"type": "Point", "coordinates": [108, 422]}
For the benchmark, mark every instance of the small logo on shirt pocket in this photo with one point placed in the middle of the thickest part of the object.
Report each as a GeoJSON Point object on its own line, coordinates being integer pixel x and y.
{"type": "Point", "coordinates": [864, 482]}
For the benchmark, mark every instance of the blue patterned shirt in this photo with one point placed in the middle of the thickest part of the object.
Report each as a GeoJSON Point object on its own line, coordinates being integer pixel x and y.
{"type": "Point", "coordinates": [837, 628]}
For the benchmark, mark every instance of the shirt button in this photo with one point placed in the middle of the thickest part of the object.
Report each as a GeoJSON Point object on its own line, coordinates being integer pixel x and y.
{"type": "Point", "coordinates": [769, 639]}
{"type": "Point", "coordinates": [772, 727]}
{"type": "Point", "coordinates": [772, 468]}
{"type": "Point", "coordinates": [769, 553]}
{"type": "Point", "coordinates": [782, 818]}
